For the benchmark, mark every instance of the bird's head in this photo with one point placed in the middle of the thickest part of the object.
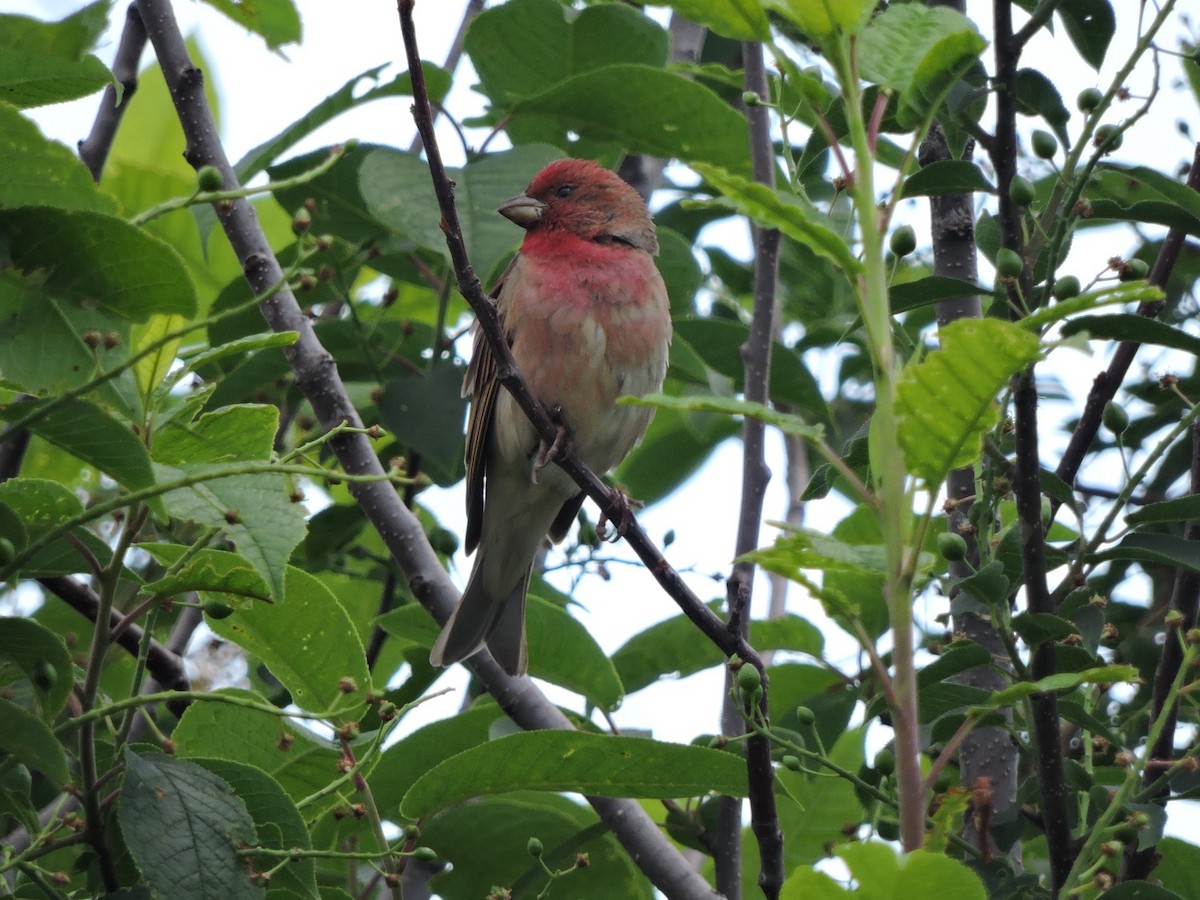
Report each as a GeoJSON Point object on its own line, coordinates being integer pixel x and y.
{"type": "Point", "coordinates": [586, 199]}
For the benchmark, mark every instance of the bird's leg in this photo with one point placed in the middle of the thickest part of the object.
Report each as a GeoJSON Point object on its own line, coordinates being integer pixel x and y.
{"type": "Point", "coordinates": [559, 448]}
{"type": "Point", "coordinates": [628, 505]}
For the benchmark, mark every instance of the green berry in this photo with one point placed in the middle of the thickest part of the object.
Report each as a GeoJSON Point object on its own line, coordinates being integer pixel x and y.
{"type": "Point", "coordinates": [209, 178]}
{"type": "Point", "coordinates": [428, 854]}
{"type": "Point", "coordinates": [215, 609]}
{"type": "Point", "coordinates": [750, 98]}
{"type": "Point", "coordinates": [805, 715]}
{"type": "Point", "coordinates": [903, 240]}
{"type": "Point", "coordinates": [7, 551]}
{"type": "Point", "coordinates": [748, 678]}
{"type": "Point", "coordinates": [1115, 418]}
{"type": "Point", "coordinates": [791, 762]}
{"type": "Point", "coordinates": [952, 546]}
{"type": "Point", "coordinates": [444, 541]}
{"type": "Point", "coordinates": [1020, 191]}
{"type": "Point", "coordinates": [1134, 270]}
{"type": "Point", "coordinates": [885, 762]}
{"type": "Point", "coordinates": [1089, 99]}
{"type": "Point", "coordinates": [44, 675]}
{"type": "Point", "coordinates": [1108, 138]}
{"type": "Point", "coordinates": [534, 847]}
{"type": "Point", "coordinates": [1067, 287]}
{"type": "Point", "coordinates": [1008, 263]}
{"type": "Point", "coordinates": [1045, 144]}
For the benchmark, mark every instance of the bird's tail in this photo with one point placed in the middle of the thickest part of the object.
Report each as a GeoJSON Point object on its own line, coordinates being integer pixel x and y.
{"type": "Point", "coordinates": [482, 619]}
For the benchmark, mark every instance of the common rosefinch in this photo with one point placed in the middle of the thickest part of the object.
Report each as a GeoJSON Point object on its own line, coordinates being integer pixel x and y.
{"type": "Point", "coordinates": [586, 315]}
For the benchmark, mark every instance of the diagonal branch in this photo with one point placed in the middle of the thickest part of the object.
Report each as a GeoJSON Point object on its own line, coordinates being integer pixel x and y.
{"type": "Point", "coordinates": [93, 149]}
{"type": "Point", "coordinates": [316, 375]}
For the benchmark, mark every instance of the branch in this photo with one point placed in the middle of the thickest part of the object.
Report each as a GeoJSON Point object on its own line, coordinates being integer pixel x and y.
{"type": "Point", "coordinates": [164, 665]}
{"type": "Point", "coordinates": [756, 360]}
{"type": "Point", "coordinates": [1027, 490]}
{"type": "Point", "coordinates": [317, 377]}
{"type": "Point", "coordinates": [93, 149]}
{"type": "Point", "coordinates": [453, 55]}
{"type": "Point", "coordinates": [1104, 388]}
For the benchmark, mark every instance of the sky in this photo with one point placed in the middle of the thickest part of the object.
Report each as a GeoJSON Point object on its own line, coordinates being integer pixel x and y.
{"type": "Point", "coordinates": [261, 93]}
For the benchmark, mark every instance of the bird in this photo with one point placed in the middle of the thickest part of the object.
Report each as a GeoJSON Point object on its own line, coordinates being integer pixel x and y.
{"type": "Point", "coordinates": [586, 314]}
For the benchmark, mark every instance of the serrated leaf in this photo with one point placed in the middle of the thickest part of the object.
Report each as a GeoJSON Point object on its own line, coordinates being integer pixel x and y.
{"type": "Point", "coordinates": [920, 52]}
{"type": "Point", "coordinates": [299, 760]}
{"type": "Point", "coordinates": [277, 21]}
{"type": "Point", "coordinates": [49, 62]}
{"type": "Point", "coordinates": [788, 213]}
{"type": "Point", "coordinates": [1163, 549]}
{"type": "Point", "coordinates": [645, 110]}
{"type": "Point", "coordinates": [88, 432]}
{"type": "Point", "coordinates": [1181, 509]}
{"type": "Point", "coordinates": [99, 262]}
{"type": "Point", "coordinates": [277, 822]}
{"type": "Point", "coordinates": [27, 739]}
{"type": "Point", "coordinates": [946, 401]}
{"type": "Point", "coordinates": [1037, 95]}
{"type": "Point", "coordinates": [35, 171]}
{"type": "Point", "coordinates": [208, 571]}
{"type": "Point", "coordinates": [248, 344]}
{"type": "Point", "coordinates": [562, 652]}
{"type": "Point", "coordinates": [1129, 327]}
{"type": "Point", "coordinates": [240, 433]}
{"type": "Point", "coordinates": [183, 826]}
{"type": "Point", "coordinates": [822, 19]}
{"type": "Point", "coordinates": [1065, 681]}
{"type": "Point", "coordinates": [592, 764]}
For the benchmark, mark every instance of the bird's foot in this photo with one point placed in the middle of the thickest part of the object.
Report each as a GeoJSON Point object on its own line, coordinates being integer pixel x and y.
{"type": "Point", "coordinates": [558, 448]}
{"type": "Point", "coordinates": [628, 505]}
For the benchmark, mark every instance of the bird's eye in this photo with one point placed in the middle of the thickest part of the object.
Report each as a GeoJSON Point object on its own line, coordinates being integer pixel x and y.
{"type": "Point", "coordinates": [564, 190]}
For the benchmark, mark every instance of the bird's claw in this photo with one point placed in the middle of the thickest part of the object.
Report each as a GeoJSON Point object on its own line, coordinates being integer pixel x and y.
{"type": "Point", "coordinates": [628, 505]}
{"type": "Point", "coordinates": [559, 447]}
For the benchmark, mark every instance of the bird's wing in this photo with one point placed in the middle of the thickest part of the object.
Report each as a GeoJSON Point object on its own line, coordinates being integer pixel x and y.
{"type": "Point", "coordinates": [481, 386]}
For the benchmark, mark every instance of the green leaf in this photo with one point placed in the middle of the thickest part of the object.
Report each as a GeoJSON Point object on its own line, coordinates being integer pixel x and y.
{"type": "Point", "coordinates": [946, 401]}
{"type": "Point", "coordinates": [1038, 96]}
{"type": "Point", "coordinates": [41, 656]}
{"type": "Point", "coordinates": [879, 872]}
{"type": "Point", "coordinates": [810, 884]}
{"type": "Point", "coordinates": [37, 172]}
{"type": "Point", "coordinates": [305, 638]}
{"type": "Point", "coordinates": [425, 412]}
{"type": "Point", "coordinates": [785, 422]}
{"type": "Point", "coordinates": [670, 647]}
{"type": "Point", "coordinates": [249, 344]}
{"type": "Point", "coordinates": [99, 261]}
{"type": "Point", "coordinates": [301, 762]}
{"type": "Point", "coordinates": [183, 826]}
{"type": "Point", "coordinates": [1129, 327]}
{"type": "Point", "coordinates": [49, 62]}
{"type": "Point", "coordinates": [88, 432]}
{"type": "Point", "coordinates": [349, 96]}
{"type": "Point", "coordinates": [741, 20]}
{"type": "Point", "coordinates": [524, 47]}
{"type": "Point", "coordinates": [29, 740]}
{"type": "Point", "coordinates": [562, 652]}
{"type": "Point", "coordinates": [277, 822]}
{"type": "Point", "coordinates": [822, 19]}
{"type": "Point", "coordinates": [208, 571]}
{"type": "Point", "coordinates": [276, 20]}
{"type": "Point", "coordinates": [40, 504]}
{"type": "Point", "coordinates": [675, 446]}
{"type": "Point", "coordinates": [645, 110]}
{"type": "Point", "coordinates": [1181, 509]}
{"type": "Point", "coordinates": [797, 219]}
{"type": "Point", "coordinates": [1090, 24]}
{"type": "Point", "coordinates": [1065, 681]}
{"type": "Point", "coordinates": [920, 52]}
{"type": "Point", "coordinates": [485, 843]}
{"type": "Point", "coordinates": [592, 764]}
{"type": "Point", "coordinates": [1139, 890]}
{"type": "Point", "coordinates": [815, 809]}
{"type": "Point", "coordinates": [1163, 549]}
{"type": "Point", "coordinates": [1179, 868]}
{"type": "Point", "coordinates": [412, 756]}
{"type": "Point", "coordinates": [948, 176]}
{"type": "Point", "coordinates": [240, 433]}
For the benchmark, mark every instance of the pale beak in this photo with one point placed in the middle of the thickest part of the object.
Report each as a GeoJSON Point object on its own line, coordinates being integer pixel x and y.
{"type": "Point", "coordinates": [523, 210]}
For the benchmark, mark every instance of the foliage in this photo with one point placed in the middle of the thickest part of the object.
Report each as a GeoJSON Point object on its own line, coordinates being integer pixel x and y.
{"type": "Point", "coordinates": [163, 463]}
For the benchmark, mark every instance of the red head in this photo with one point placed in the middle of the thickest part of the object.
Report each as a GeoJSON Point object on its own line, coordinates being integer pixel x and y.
{"type": "Point", "coordinates": [586, 199]}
